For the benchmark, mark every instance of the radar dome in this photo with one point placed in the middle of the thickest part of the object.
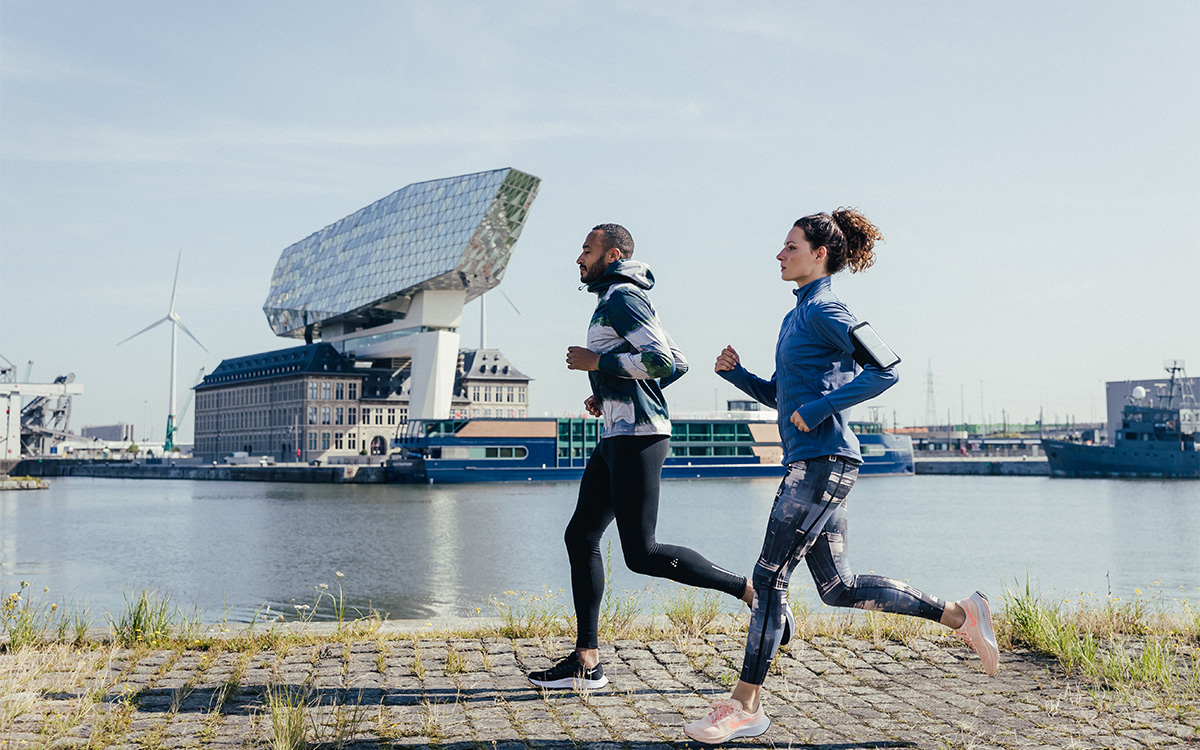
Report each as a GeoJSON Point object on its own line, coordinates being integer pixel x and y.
{"type": "Point", "coordinates": [1138, 392]}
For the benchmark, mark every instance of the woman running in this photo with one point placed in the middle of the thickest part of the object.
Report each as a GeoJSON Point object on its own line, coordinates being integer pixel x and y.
{"type": "Point", "coordinates": [816, 381]}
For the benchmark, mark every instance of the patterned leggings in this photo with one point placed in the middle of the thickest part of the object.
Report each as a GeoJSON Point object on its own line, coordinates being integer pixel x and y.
{"type": "Point", "coordinates": [808, 520]}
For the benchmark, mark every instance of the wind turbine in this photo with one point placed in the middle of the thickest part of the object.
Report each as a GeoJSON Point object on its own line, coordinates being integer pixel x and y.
{"type": "Point", "coordinates": [176, 326]}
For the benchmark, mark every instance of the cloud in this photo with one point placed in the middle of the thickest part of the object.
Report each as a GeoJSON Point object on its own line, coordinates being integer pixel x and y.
{"type": "Point", "coordinates": [19, 65]}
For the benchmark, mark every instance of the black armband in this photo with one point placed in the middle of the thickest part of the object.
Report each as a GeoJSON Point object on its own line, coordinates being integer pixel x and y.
{"type": "Point", "coordinates": [869, 349]}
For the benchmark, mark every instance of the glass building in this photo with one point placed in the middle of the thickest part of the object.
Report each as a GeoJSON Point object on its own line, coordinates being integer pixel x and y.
{"type": "Point", "coordinates": [390, 280]}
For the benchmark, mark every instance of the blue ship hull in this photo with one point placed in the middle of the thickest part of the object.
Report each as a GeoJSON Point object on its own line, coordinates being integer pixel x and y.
{"type": "Point", "coordinates": [1129, 460]}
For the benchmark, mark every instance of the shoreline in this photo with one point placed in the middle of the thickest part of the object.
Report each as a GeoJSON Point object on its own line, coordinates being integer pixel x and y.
{"type": "Point", "coordinates": [368, 474]}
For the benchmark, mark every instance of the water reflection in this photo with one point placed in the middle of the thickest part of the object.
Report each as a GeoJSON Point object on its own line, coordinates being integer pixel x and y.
{"type": "Point", "coordinates": [418, 551]}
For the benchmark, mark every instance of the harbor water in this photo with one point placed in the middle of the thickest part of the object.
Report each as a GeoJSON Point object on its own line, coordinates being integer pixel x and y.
{"type": "Point", "coordinates": [231, 549]}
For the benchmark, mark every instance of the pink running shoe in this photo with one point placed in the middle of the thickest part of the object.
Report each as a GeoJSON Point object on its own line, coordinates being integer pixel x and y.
{"type": "Point", "coordinates": [727, 721]}
{"type": "Point", "coordinates": [977, 631]}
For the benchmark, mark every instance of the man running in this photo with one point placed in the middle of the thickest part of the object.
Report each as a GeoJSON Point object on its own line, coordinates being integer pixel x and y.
{"type": "Point", "coordinates": [629, 360]}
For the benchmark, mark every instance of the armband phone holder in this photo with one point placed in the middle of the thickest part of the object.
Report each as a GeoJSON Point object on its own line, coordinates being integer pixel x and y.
{"type": "Point", "coordinates": [869, 349]}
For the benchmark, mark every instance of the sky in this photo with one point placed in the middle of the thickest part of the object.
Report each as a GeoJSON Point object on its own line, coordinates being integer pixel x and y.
{"type": "Point", "coordinates": [1034, 168]}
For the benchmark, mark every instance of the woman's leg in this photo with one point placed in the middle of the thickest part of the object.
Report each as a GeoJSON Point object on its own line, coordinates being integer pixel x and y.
{"type": "Point", "coordinates": [838, 587]}
{"type": "Point", "coordinates": [810, 493]}
{"type": "Point", "coordinates": [636, 463]}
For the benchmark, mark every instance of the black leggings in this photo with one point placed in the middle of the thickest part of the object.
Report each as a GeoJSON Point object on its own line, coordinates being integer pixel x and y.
{"type": "Point", "coordinates": [621, 482]}
{"type": "Point", "coordinates": [808, 521]}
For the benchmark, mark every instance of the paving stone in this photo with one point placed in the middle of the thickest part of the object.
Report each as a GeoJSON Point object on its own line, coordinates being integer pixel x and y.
{"type": "Point", "coordinates": [826, 691]}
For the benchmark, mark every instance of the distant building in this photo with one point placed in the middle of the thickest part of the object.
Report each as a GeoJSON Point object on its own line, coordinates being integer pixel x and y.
{"type": "Point", "coordinates": [312, 403]}
{"type": "Point", "coordinates": [389, 281]}
{"type": "Point", "coordinates": [492, 386]}
{"type": "Point", "coordinates": [117, 433]}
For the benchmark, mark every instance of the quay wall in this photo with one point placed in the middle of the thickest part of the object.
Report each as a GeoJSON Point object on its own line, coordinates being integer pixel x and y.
{"type": "Point", "coordinates": [349, 474]}
{"type": "Point", "coordinates": [982, 467]}
{"type": "Point", "coordinates": [356, 474]}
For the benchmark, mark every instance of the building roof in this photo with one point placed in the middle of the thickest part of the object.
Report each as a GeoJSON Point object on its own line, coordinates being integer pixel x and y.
{"type": "Point", "coordinates": [489, 364]}
{"type": "Point", "coordinates": [363, 270]}
{"type": "Point", "coordinates": [311, 358]}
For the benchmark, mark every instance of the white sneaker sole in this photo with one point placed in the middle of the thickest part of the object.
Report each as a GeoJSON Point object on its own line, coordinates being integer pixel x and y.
{"type": "Point", "coordinates": [571, 683]}
{"type": "Point", "coordinates": [749, 730]}
{"type": "Point", "coordinates": [988, 651]}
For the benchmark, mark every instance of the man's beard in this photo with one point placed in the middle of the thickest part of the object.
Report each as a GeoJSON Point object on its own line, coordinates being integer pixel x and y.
{"type": "Point", "coordinates": [591, 273]}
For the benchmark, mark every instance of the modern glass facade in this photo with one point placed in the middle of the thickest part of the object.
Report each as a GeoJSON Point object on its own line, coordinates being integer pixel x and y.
{"type": "Point", "coordinates": [455, 233]}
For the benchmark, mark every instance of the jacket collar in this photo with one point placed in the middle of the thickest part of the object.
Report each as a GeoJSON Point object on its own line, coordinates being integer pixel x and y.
{"type": "Point", "coordinates": [623, 271]}
{"type": "Point", "coordinates": [807, 291]}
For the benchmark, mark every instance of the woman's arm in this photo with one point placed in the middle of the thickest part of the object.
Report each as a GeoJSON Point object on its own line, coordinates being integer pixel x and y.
{"type": "Point", "coordinates": [832, 323]}
{"type": "Point", "coordinates": [729, 367]}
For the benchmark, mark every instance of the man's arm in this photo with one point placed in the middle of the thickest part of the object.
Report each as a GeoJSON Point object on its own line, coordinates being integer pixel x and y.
{"type": "Point", "coordinates": [681, 365]}
{"type": "Point", "coordinates": [633, 319]}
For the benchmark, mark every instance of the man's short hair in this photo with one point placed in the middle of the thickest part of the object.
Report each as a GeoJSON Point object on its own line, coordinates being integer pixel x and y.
{"type": "Point", "coordinates": [616, 236]}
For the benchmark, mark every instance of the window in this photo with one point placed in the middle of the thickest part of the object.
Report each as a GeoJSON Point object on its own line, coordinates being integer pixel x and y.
{"type": "Point", "coordinates": [509, 393]}
{"type": "Point", "coordinates": [339, 415]}
{"type": "Point", "coordinates": [339, 391]}
{"type": "Point", "coordinates": [325, 391]}
{"type": "Point", "coordinates": [521, 393]}
{"type": "Point", "coordinates": [337, 440]}
{"type": "Point", "coordinates": [312, 389]}
{"type": "Point", "coordinates": [324, 415]}
{"type": "Point", "coordinates": [312, 441]}
{"type": "Point", "coordinates": [391, 416]}
{"type": "Point", "coordinates": [475, 393]}
{"type": "Point", "coordinates": [487, 393]}
{"type": "Point", "coordinates": [366, 415]}
{"type": "Point", "coordinates": [312, 415]}
{"type": "Point", "coordinates": [352, 441]}
{"type": "Point", "coordinates": [379, 416]}
{"type": "Point", "coordinates": [324, 441]}
{"type": "Point", "coordinates": [352, 416]}
{"type": "Point", "coordinates": [353, 387]}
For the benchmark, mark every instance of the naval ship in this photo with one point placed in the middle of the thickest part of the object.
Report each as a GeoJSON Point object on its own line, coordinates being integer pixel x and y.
{"type": "Point", "coordinates": [1157, 439]}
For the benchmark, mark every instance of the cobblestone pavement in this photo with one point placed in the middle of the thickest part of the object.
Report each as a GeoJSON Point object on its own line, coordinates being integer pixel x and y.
{"type": "Point", "coordinates": [469, 693]}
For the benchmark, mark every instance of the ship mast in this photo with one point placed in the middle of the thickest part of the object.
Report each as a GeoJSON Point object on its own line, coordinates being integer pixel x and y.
{"type": "Point", "coordinates": [1172, 366]}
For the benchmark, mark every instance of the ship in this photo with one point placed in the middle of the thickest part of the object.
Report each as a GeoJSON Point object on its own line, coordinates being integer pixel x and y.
{"type": "Point", "coordinates": [1157, 439]}
{"type": "Point", "coordinates": [531, 449]}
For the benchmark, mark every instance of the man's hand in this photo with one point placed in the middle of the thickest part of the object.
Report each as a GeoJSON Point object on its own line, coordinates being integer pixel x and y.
{"type": "Point", "coordinates": [579, 358]}
{"type": "Point", "coordinates": [799, 421]}
{"type": "Point", "coordinates": [592, 406]}
{"type": "Point", "coordinates": [727, 360]}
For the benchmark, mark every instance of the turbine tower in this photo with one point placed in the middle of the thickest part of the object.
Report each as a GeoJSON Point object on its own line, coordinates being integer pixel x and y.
{"type": "Point", "coordinates": [176, 326]}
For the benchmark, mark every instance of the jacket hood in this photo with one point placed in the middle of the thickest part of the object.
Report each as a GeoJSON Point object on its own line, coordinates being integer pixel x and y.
{"type": "Point", "coordinates": [623, 271]}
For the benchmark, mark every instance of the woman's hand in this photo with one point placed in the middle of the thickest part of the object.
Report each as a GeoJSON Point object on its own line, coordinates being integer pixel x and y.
{"type": "Point", "coordinates": [799, 421]}
{"type": "Point", "coordinates": [727, 360]}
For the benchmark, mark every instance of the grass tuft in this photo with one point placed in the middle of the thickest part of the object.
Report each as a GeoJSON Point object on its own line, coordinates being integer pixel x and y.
{"type": "Point", "coordinates": [286, 704]}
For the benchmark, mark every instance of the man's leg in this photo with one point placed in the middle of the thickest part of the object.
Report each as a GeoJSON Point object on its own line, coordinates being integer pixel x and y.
{"type": "Point", "coordinates": [636, 469]}
{"type": "Point", "coordinates": [593, 514]}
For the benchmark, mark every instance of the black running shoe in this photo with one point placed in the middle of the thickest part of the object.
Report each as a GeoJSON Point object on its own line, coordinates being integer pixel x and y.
{"type": "Point", "coordinates": [789, 625]}
{"type": "Point", "coordinates": [570, 673]}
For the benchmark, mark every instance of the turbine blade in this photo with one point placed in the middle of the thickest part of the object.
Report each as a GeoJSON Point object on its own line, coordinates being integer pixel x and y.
{"type": "Point", "coordinates": [147, 328]}
{"type": "Point", "coordinates": [176, 283]}
{"type": "Point", "coordinates": [189, 333]}
{"type": "Point", "coordinates": [506, 299]}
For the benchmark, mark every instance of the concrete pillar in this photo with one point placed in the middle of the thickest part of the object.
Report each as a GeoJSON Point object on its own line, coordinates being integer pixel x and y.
{"type": "Point", "coordinates": [434, 359]}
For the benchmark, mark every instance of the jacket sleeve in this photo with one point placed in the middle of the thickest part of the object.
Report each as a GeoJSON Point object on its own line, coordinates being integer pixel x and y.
{"type": "Point", "coordinates": [633, 319]}
{"type": "Point", "coordinates": [681, 365]}
{"type": "Point", "coordinates": [831, 323]}
{"type": "Point", "coordinates": [753, 386]}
